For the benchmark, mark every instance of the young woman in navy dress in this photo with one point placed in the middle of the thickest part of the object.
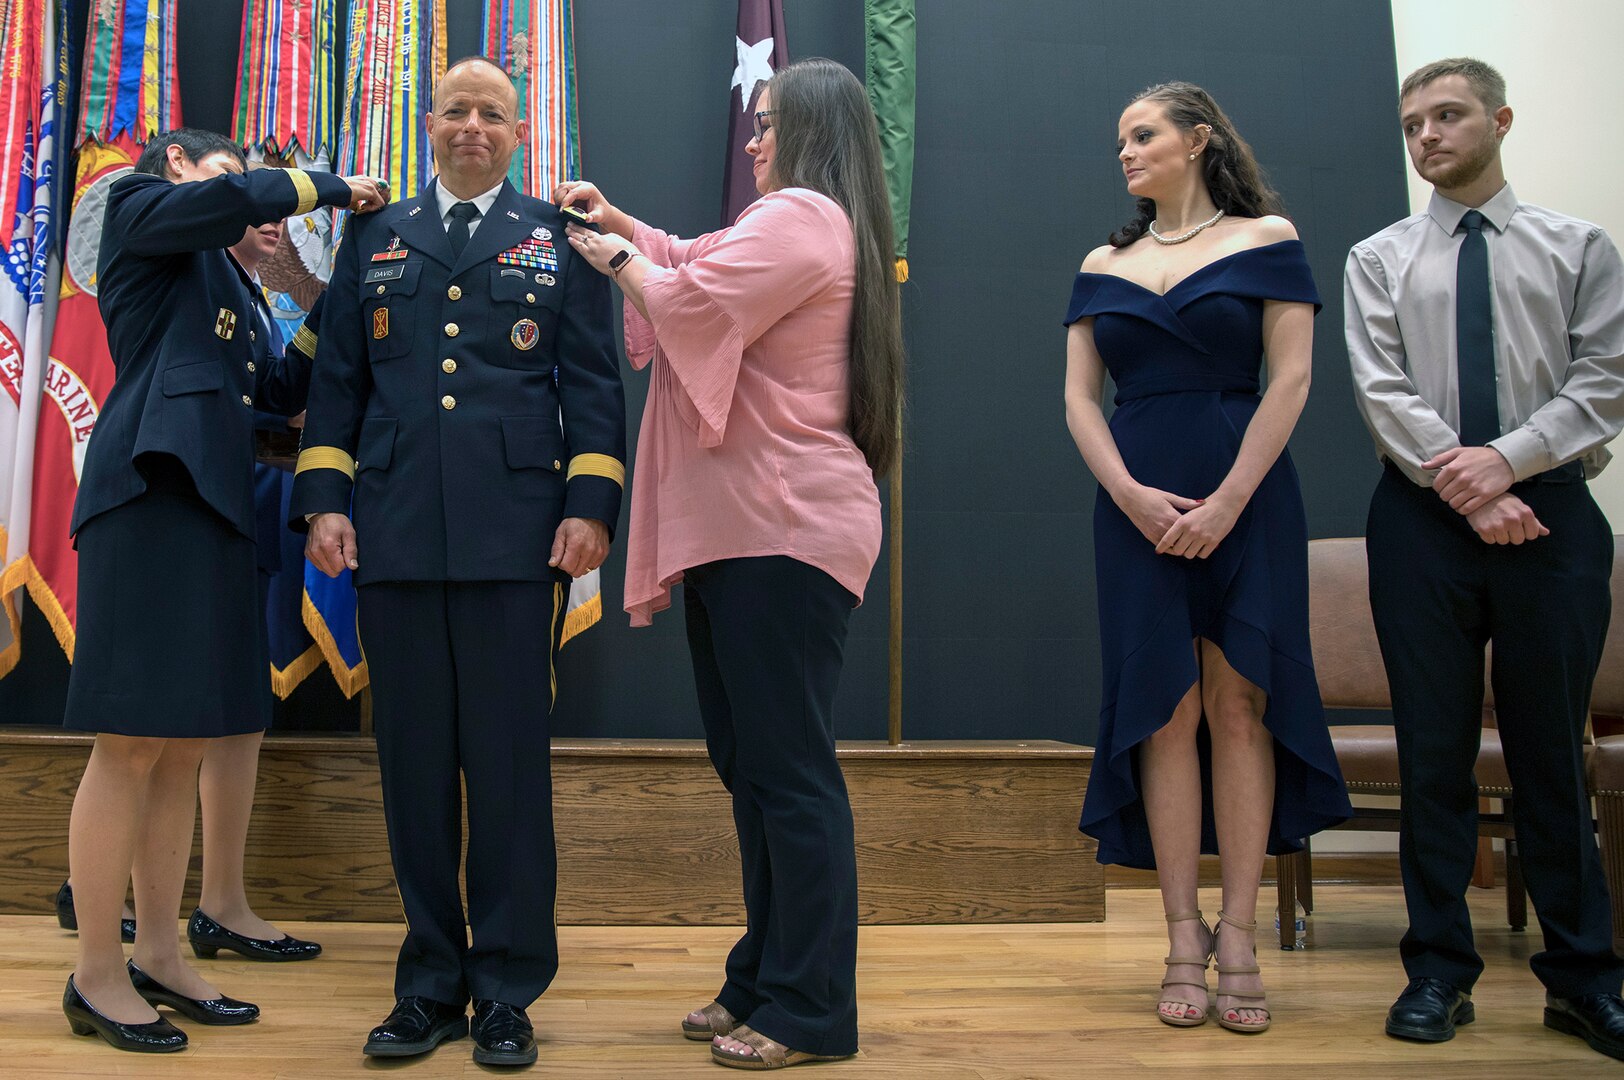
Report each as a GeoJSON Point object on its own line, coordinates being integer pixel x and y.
{"type": "Point", "coordinates": [1212, 736]}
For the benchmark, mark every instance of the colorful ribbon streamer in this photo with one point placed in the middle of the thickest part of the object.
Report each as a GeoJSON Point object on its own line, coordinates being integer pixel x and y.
{"type": "Point", "coordinates": [396, 54]}
{"type": "Point", "coordinates": [131, 83]}
{"type": "Point", "coordinates": [286, 77]}
{"type": "Point", "coordinates": [534, 41]}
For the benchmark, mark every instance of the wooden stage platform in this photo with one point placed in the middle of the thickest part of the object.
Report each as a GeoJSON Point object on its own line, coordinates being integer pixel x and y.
{"type": "Point", "coordinates": [947, 832]}
{"type": "Point", "coordinates": [984, 1002]}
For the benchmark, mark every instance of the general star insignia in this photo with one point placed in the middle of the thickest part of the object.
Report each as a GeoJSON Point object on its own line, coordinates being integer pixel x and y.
{"type": "Point", "coordinates": [755, 66]}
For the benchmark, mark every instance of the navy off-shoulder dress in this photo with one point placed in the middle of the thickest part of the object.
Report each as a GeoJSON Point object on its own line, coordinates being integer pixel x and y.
{"type": "Point", "coordinates": [1186, 370]}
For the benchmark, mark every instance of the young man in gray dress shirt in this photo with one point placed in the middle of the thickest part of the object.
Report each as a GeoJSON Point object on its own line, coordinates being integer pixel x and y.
{"type": "Point", "coordinates": [1487, 343]}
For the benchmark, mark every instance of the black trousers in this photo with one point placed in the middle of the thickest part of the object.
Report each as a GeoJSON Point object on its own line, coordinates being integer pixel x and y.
{"type": "Point", "coordinates": [768, 637]}
{"type": "Point", "coordinates": [462, 687]}
{"type": "Point", "coordinates": [1439, 594]}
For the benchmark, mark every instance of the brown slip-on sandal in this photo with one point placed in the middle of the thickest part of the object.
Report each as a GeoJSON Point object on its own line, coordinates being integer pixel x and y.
{"type": "Point", "coordinates": [768, 1054]}
{"type": "Point", "coordinates": [1194, 961]}
{"type": "Point", "coordinates": [1237, 1024]}
{"type": "Point", "coordinates": [718, 1021]}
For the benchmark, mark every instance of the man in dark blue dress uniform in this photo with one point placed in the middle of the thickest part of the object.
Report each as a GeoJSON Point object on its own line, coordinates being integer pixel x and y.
{"type": "Point", "coordinates": [467, 395]}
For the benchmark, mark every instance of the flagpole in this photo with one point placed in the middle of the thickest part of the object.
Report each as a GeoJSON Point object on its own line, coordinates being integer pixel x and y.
{"type": "Point", "coordinates": [894, 724]}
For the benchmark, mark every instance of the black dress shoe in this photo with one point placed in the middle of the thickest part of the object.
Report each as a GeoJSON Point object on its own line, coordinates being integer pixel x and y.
{"type": "Point", "coordinates": [220, 1012]}
{"type": "Point", "coordinates": [1429, 1010]}
{"type": "Point", "coordinates": [502, 1034]}
{"type": "Point", "coordinates": [67, 920]}
{"type": "Point", "coordinates": [1598, 1019]}
{"type": "Point", "coordinates": [416, 1026]}
{"type": "Point", "coordinates": [209, 937]}
{"type": "Point", "coordinates": [158, 1037]}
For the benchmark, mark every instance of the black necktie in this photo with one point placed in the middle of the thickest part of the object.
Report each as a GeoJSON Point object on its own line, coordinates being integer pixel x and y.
{"type": "Point", "coordinates": [457, 231]}
{"type": "Point", "coordinates": [1474, 337]}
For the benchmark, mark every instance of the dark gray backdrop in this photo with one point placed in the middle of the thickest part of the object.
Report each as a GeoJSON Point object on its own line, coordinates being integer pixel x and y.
{"type": "Point", "coordinates": [1018, 104]}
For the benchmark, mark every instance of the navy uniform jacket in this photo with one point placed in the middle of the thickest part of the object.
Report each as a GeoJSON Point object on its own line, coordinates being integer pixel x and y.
{"type": "Point", "coordinates": [184, 338]}
{"type": "Point", "coordinates": [434, 397]}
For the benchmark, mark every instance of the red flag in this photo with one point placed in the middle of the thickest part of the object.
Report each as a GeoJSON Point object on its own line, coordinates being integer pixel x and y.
{"type": "Point", "coordinates": [759, 50]}
{"type": "Point", "coordinates": [77, 380]}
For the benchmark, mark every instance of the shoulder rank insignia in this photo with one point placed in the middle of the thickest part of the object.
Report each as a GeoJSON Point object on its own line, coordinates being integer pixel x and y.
{"type": "Point", "coordinates": [225, 323]}
{"type": "Point", "coordinates": [380, 324]}
{"type": "Point", "coordinates": [525, 335]}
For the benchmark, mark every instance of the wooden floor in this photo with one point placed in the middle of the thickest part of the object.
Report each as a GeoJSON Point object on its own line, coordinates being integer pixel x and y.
{"type": "Point", "coordinates": [938, 1002]}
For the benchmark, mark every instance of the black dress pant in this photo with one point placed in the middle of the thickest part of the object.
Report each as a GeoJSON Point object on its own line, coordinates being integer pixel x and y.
{"type": "Point", "coordinates": [768, 636]}
{"type": "Point", "coordinates": [1439, 594]}
{"type": "Point", "coordinates": [462, 682]}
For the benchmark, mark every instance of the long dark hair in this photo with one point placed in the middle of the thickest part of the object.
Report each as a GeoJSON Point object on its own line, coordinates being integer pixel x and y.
{"type": "Point", "coordinates": [828, 142]}
{"type": "Point", "coordinates": [1234, 178]}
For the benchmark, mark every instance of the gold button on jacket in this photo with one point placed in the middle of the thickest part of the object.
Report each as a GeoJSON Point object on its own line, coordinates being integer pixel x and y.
{"type": "Point", "coordinates": [451, 329]}
{"type": "Point", "coordinates": [454, 293]}
{"type": "Point", "coordinates": [448, 402]}
{"type": "Point", "coordinates": [448, 365]}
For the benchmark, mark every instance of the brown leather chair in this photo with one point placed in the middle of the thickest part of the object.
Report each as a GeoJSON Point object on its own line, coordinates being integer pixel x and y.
{"type": "Point", "coordinates": [1351, 676]}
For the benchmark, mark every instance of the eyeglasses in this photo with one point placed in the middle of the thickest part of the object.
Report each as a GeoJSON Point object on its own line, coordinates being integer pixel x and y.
{"type": "Point", "coordinates": [761, 124]}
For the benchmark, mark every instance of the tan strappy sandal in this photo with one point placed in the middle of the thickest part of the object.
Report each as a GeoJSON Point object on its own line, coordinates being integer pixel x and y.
{"type": "Point", "coordinates": [1245, 995]}
{"type": "Point", "coordinates": [768, 1054]}
{"type": "Point", "coordinates": [718, 1021]}
{"type": "Point", "coordinates": [1196, 961]}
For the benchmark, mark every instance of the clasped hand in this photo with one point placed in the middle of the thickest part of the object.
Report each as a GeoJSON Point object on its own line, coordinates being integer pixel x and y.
{"type": "Point", "coordinates": [1469, 476]}
{"type": "Point", "coordinates": [1188, 528]}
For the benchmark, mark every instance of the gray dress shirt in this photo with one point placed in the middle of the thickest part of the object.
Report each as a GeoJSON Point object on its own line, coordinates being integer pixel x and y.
{"type": "Point", "coordinates": [1558, 336]}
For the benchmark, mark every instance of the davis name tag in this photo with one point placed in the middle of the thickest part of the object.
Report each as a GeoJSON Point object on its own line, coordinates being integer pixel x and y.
{"type": "Point", "coordinates": [386, 273]}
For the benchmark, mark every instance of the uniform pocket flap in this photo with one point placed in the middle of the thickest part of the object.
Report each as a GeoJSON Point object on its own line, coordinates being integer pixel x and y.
{"type": "Point", "coordinates": [193, 378]}
{"type": "Point", "coordinates": [533, 442]}
{"type": "Point", "coordinates": [377, 447]}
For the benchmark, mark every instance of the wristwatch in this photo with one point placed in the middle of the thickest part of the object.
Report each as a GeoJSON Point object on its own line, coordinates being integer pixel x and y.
{"type": "Point", "coordinates": [618, 261]}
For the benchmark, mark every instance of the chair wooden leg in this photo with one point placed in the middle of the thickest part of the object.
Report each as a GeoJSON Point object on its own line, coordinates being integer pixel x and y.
{"type": "Point", "coordinates": [1483, 873]}
{"type": "Point", "coordinates": [1610, 827]}
{"type": "Point", "coordinates": [1305, 878]}
{"type": "Point", "coordinates": [1516, 892]}
{"type": "Point", "coordinates": [1286, 868]}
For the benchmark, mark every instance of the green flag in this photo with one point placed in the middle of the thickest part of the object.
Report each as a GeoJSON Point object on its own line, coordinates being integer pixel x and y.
{"type": "Point", "coordinates": [889, 63]}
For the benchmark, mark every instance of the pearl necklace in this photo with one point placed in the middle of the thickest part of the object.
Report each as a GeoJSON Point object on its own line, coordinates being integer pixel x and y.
{"type": "Point", "coordinates": [1181, 237]}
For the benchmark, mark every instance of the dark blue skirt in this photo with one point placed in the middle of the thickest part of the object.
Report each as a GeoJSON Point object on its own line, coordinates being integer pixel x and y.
{"type": "Point", "coordinates": [171, 642]}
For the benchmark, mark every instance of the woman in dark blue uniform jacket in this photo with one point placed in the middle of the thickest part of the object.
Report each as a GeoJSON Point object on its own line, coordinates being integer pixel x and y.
{"type": "Point", "coordinates": [171, 649]}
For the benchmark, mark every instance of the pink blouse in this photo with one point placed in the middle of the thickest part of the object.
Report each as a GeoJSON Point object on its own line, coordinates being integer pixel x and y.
{"type": "Point", "coordinates": [744, 448]}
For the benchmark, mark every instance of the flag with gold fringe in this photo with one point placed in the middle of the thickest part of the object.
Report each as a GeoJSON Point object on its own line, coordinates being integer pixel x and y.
{"type": "Point", "coordinates": [29, 115]}
{"type": "Point", "coordinates": [534, 41]}
{"type": "Point", "coordinates": [396, 52]}
{"type": "Point", "coordinates": [128, 94]}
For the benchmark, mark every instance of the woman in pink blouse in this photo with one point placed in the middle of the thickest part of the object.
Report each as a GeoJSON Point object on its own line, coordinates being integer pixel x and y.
{"type": "Point", "coordinates": [775, 357]}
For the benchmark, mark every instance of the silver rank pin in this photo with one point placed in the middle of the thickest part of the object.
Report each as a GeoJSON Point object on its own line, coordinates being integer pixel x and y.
{"type": "Point", "coordinates": [542, 233]}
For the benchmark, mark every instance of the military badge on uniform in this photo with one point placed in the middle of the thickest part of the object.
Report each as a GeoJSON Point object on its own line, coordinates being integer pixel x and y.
{"type": "Point", "coordinates": [525, 335]}
{"type": "Point", "coordinates": [533, 252]}
{"type": "Point", "coordinates": [380, 324]}
{"type": "Point", "coordinates": [393, 251]}
{"type": "Point", "coordinates": [225, 324]}
{"type": "Point", "coordinates": [546, 279]}
{"type": "Point", "coordinates": [542, 233]}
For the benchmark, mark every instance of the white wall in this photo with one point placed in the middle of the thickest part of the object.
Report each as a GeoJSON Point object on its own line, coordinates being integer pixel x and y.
{"type": "Point", "coordinates": [1565, 151]}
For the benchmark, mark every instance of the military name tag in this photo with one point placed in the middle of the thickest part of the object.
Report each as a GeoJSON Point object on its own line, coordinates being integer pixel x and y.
{"type": "Point", "coordinates": [386, 273]}
{"type": "Point", "coordinates": [380, 324]}
{"type": "Point", "coordinates": [225, 323]}
{"type": "Point", "coordinates": [525, 335]}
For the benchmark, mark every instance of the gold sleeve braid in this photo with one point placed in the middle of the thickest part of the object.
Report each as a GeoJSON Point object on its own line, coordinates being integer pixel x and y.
{"type": "Point", "coordinates": [306, 189]}
{"type": "Point", "coordinates": [325, 457]}
{"type": "Point", "coordinates": [597, 465]}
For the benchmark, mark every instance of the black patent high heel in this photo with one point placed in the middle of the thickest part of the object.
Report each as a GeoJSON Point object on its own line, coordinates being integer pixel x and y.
{"type": "Point", "coordinates": [221, 1011]}
{"type": "Point", "coordinates": [67, 920]}
{"type": "Point", "coordinates": [157, 1037]}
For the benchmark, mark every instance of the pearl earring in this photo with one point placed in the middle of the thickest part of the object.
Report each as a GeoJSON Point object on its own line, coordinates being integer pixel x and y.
{"type": "Point", "coordinates": [1192, 157]}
